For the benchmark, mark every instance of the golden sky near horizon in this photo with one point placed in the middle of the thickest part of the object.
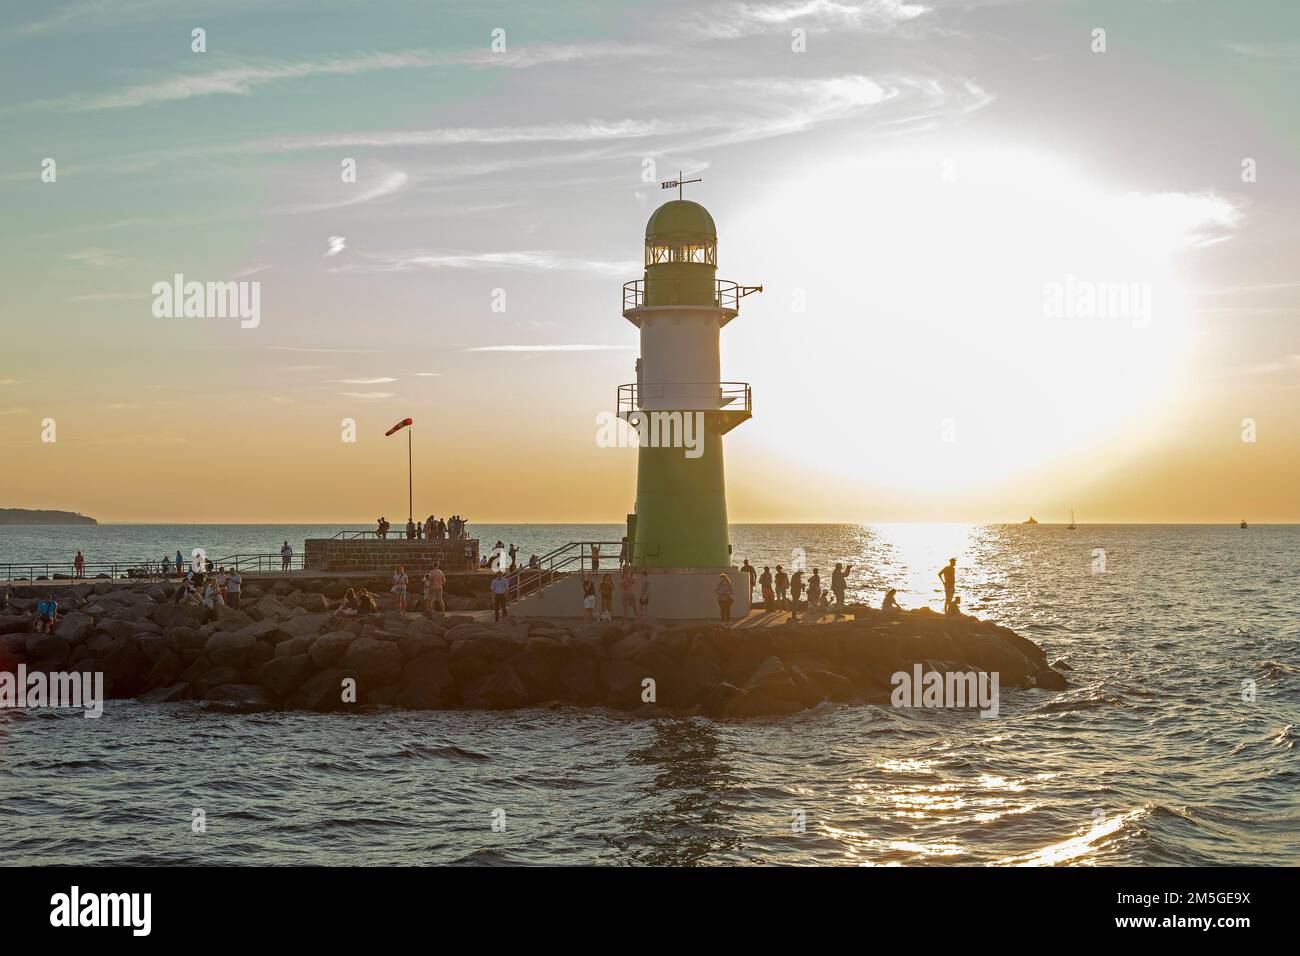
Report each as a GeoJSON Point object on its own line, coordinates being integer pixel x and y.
{"type": "Point", "coordinates": [935, 199]}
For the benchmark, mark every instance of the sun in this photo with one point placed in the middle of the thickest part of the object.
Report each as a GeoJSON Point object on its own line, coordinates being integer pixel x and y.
{"type": "Point", "coordinates": [960, 329]}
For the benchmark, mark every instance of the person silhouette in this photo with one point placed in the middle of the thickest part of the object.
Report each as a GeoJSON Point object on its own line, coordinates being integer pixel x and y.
{"type": "Point", "coordinates": [949, 578]}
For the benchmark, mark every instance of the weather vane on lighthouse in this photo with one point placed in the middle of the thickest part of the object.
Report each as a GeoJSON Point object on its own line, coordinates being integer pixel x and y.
{"type": "Point", "coordinates": [678, 183]}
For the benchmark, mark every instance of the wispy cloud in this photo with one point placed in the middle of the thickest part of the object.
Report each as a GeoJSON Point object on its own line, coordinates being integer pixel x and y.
{"type": "Point", "coordinates": [525, 261]}
{"type": "Point", "coordinates": [361, 381]}
{"type": "Point", "coordinates": [368, 395]}
{"type": "Point", "coordinates": [109, 297]}
{"type": "Point", "coordinates": [732, 20]}
{"type": "Point", "coordinates": [549, 348]}
{"type": "Point", "coordinates": [99, 258]}
{"type": "Point", "coordinates": [295, 348]}
{"type": "Point", "coordinates": [241, 79]}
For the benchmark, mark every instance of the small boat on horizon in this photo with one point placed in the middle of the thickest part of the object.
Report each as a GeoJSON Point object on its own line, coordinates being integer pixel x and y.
{"type": "Point", "coordinates": [1032, 520]}
{"type": "Point", "coordinates": [1071, 526]}
{"type": "Point", "coordinates": [1243, 524]}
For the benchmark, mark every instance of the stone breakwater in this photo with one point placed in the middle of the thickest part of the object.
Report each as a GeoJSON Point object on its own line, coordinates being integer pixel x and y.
{"type": "Point", "coordinates": [286, 648]}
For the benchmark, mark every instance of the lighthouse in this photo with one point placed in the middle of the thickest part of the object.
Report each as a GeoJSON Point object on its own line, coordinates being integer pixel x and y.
{"type": "Point", "coordinates": [680, 308]}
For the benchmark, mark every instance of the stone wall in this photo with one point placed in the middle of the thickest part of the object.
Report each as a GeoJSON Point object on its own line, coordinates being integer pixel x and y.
{"type": "Point", "coordinates": [373, 554]}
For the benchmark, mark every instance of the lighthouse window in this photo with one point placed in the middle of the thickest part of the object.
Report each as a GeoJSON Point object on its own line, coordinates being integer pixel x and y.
{"type": "Point", "coordinates": [662, 251]}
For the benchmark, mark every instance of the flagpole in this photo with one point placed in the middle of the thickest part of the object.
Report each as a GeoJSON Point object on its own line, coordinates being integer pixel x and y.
{"type": "Point", "coordinates": [410, 484]}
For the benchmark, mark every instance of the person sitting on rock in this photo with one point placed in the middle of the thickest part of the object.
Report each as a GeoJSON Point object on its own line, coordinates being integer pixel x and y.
{"type": "Point", "coordinates": [212, 594]}
{"type": "Point", "coordinates": [954, 607]}
{"type": "Point", "coordinates": [350, 602]}
{"type": "Point", "coordinates": [47, 615]}
{"type": "Point", "coordinates": [366, 603]}
{"type": "Point", "coordinates": [890, 603]}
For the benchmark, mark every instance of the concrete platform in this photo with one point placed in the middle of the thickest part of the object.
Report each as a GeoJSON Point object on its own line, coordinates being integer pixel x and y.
{"type": "Point", "coordinates": [675, 595]}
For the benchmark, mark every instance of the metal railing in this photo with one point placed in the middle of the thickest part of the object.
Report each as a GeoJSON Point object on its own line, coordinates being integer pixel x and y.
{"type": "Point", "coordinates": [394, 533]}
{"type": "Point", "coordinates": [575, 556]}
{"type": "Point", "coordinates": [726, 294]}
{"type": "Point", "coordinates": [136, 570]}
{"type": "Point", "coordinates": [732, 396]}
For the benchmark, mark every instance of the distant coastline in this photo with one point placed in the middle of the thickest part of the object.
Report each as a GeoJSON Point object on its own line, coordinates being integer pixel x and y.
{"type": "Point", "coordinates": [34, 516]}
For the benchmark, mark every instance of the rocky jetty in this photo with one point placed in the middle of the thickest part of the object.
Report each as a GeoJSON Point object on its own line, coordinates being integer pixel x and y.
{"type": "Point", "coordinates": [286, 648]}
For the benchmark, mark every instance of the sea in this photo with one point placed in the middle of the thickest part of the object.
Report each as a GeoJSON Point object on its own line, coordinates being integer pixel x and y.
{"type": "Point", "coordinates": [1174, 745]}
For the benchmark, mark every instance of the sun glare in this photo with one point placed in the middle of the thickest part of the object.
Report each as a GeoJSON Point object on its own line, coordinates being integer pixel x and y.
{"type": "Point", "coordinates": [1045, 312]}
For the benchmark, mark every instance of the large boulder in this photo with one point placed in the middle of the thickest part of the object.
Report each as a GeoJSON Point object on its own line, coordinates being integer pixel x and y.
{"type": "Point", "coordinates": [125, 665]}
{"type": "Point", "coordinates": [771, 678]}
{"type": "Point", "coordinates": [182, 637]}
{"type": "Point", "coordinates": [166, 670]}
{"type": "Point", "coordinates": [426, 683]}
{"type": "Point", "coordinates": [230, 648]}
{"type": "Point", "coordinates": [501, 690]}
{"type": "Point", "coordinates": [192, 615]}
{"type": "Point", "coordinates": [321, 691]}
{"type": "Point", "coordinates": [283, 675]}
{"type": "Point", "coordinates": [375, 662]}
{"type": "Point", "coordinates": [621, 683]}
{"type": "Point", "coordinates": [229, 618]}
{"type": "Point", "coordinates": [270, 607]}
{"type": "Point", "coordinates": [292, 646]}
{"type": "Point", "coordinates": [74, 627]}
{"type": "Point", "coordinates": [48, 650]}
{"type": "Point", "coordinates": [538, 678]}
{"type": "Point", "coordinates": [328, 649]}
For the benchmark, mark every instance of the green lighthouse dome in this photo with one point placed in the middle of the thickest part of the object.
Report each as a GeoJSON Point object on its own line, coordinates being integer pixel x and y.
{"type": "Point", "coordinates": [681, 216]}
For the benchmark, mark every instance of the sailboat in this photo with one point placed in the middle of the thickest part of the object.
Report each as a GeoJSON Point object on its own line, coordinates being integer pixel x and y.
{"type": "Point", "coordinates": [1243, 524]}
{"type": "Point", "coordinates": [1071, 526]}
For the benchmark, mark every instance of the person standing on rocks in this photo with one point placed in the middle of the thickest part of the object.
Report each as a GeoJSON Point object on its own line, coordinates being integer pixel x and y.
{"type": "Point", "coordinates": [410, 529]}
{"type": "Point", "coordinates": [434, 582]}
{"type": "Point", "coordinates": [627, 591]}
{"type": "Point", "coordinates": [839, 580]}
{"type": "Point", "coordinates": [606, 597]}
{"type": "Point", "coordinates": [782, 586]}
{"type": "Point", "coordinates": [400, 581]}
{"type": "Point", "coordinates": [765, 580]}
{"type": "Point", "coordinates": [723, 591]}
{"type": "Point", "coordinates": [814, 594]}
{"type": "Point", "coordinates": [796, 589]}
{"type": "Point", "coordinates": [234, 585]}
{"type": "Point", "coordinates": [79, 565]}
{"type": "Point", "coordinates": [949, 578]}
{"type": "Point", "coordinates": [286, 556]}
{"type": "Point", "coordinates": [500, 587]}
{"type": "Point", "coordinates": [180, 563]}
{"type": "Point", "coordinates": [749, 572]}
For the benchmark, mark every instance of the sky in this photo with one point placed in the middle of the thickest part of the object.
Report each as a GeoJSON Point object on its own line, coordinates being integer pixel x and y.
{"type": "Point", "coordinates": [1018, 257]}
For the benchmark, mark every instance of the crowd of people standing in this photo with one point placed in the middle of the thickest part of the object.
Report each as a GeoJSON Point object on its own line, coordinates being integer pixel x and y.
{"type": "Point", "coordinates": [431, 529]}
